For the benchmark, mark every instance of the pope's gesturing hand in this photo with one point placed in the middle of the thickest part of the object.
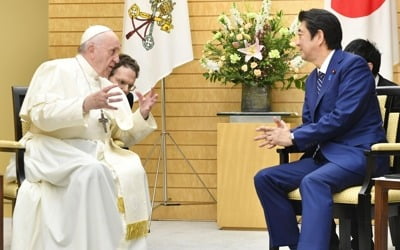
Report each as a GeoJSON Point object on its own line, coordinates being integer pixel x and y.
{"type": "Point", "coordinates": [146, 102]}
{"type": "Point", "coordinates": [102, 99]}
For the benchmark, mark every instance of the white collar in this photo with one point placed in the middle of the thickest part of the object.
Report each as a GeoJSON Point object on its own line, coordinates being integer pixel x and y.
{"type": "Point", "coordinates": [87, 68]}
{"type": "Point", "coordinates": [376, 79]}
{"type": "Point", "coordinates": [325, 64]}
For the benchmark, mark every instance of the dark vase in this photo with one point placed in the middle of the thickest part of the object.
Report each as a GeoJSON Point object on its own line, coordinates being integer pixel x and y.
{"type": "Point", "coordinates": [256, 99]}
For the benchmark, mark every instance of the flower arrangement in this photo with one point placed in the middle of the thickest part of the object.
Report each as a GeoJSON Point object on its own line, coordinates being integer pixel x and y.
{"type": "Point", "coordinates": [253, 49]}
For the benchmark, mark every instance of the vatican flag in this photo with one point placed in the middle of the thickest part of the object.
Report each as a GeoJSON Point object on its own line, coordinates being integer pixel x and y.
{"type": "Point", "coordinates": [374, 20]}
{"type": "Point", "coordinates": [156, 33]}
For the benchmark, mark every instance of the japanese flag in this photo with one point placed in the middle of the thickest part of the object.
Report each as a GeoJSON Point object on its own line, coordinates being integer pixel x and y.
{"type": "Point", "coordinates": [374, 20]}
{"type": "Point", "coordinates": [157, 35]}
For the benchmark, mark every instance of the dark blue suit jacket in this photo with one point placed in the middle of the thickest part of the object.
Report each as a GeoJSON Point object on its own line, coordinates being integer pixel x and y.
{"type": "Point", "coordinates": [344, 119]}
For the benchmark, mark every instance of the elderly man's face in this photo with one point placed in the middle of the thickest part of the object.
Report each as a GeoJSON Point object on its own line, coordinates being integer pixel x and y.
{"type": "Point", "coordinates": [105, 53]}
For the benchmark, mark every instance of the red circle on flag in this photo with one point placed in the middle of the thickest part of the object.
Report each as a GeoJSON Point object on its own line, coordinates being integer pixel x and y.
{"type": "Point", "coordinates": [356, 8]}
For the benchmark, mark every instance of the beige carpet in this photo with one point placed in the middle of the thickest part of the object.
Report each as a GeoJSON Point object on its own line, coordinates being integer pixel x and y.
{"type": "Point", "coordinates": [186, 235]}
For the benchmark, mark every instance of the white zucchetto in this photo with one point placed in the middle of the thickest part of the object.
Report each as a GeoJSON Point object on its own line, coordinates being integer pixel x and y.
{"type": "Point", "coordinates": [93, 31]}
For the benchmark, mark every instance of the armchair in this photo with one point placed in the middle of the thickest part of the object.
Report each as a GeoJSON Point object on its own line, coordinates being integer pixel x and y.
{"type": "Point", "coordinates": [358, 202]}
{"type": "Point", "coordinates": [10, 188]}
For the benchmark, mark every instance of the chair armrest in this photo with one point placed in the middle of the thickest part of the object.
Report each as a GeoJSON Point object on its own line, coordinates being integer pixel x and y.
{"type": "Point", "coordinates": [10, 146]}
{"type": "Point", "coordinates": [284, 153]}
{"type": "Point", "coordinates": [289, 150]}
{"type": "Point", "coordinates": [386, 147]}
{"type": "Point", "coordinates": [377, 149]}
{"type": "Point", "coordinates": [19, 149]}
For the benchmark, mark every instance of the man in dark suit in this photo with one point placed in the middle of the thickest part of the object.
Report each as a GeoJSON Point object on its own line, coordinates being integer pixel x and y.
{"type": "Point", "coordinates": [371, 54]}
{"type": "Point", "coordinates": [341, 119]}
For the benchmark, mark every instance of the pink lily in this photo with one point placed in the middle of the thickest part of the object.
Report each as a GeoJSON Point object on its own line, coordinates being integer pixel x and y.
{"type": "Point", "coordinates": [252, 50]}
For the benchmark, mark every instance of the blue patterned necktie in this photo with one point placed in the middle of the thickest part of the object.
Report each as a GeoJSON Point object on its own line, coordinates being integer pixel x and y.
{"type": "Point", "coordinates": [320, 79]}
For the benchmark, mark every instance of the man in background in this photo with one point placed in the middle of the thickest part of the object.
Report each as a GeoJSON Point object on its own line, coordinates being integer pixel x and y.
{"type": "Point", "coordinates": [367, 50]}
{"type": "Point", "coordinates": [125, 73]}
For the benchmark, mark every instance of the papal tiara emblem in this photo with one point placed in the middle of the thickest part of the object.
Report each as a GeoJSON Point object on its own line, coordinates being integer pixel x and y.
{"type": "Point", "coordinates": [161, 15]}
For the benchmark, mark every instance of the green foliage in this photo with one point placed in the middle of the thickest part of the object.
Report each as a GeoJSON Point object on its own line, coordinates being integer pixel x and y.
{"type": "Point", "coordinates": [253, 49]}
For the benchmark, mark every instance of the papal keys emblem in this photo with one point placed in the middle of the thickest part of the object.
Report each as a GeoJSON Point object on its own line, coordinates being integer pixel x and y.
{"type": "Point", "coordinates": [144, 22]}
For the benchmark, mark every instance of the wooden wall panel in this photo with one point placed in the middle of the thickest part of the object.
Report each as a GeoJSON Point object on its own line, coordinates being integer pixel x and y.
{"type": "Point", "coordinates": [190, 151]}
{"type": "Point", "coordinates": [197, 109]}
{"type": "Point", "coordinates": [183, 137]}
{"type": "Point", "coordinates": [79, 10]}
{"type": "Point", "coordinates": [201, 166]}
{"type": "Point", "coordinates": [191, 101]}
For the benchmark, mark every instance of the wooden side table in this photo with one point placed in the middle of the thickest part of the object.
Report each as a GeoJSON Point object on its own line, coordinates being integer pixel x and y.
{"type": "Point", "coordinates": [382, 186]}
{"type": "Point", "coordinates": [238, 159]}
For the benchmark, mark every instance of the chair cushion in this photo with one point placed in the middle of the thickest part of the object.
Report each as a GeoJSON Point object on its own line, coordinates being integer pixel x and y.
{"type": "Point", "coordinates": [295, 195]}
{"type": "Point", "coordinates": [350, 195]}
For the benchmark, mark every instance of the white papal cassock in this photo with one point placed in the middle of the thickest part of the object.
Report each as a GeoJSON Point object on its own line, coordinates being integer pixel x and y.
{"type": "Point", "coordinates": [82, 192]}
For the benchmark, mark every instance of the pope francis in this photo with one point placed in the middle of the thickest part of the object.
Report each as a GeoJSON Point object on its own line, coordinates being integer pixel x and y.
{"type": "Point", "coordinates": [82, 191]}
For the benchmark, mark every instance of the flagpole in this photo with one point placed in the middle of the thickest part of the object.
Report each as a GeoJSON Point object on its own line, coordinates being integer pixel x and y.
{"type": "Point", "coordinates": [163, 145]}
{"type": "Point", "coordinates": [163, 159]}
{"type": "Point", "coordinates": [179, 51]}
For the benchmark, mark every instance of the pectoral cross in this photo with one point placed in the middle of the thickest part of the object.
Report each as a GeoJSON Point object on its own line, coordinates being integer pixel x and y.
{"type": "Point", "coordinates": [104, 121]}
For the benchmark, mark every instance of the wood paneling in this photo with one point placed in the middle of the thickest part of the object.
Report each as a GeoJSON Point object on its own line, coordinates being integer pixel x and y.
{"type": "Point", "coordinates": [201, 166]}
{"type": "Point", "coordinates": [191, 101]}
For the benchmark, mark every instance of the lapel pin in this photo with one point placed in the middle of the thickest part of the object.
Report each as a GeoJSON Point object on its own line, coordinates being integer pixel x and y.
{"type": "Point", "coordinates": [330, 76]}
